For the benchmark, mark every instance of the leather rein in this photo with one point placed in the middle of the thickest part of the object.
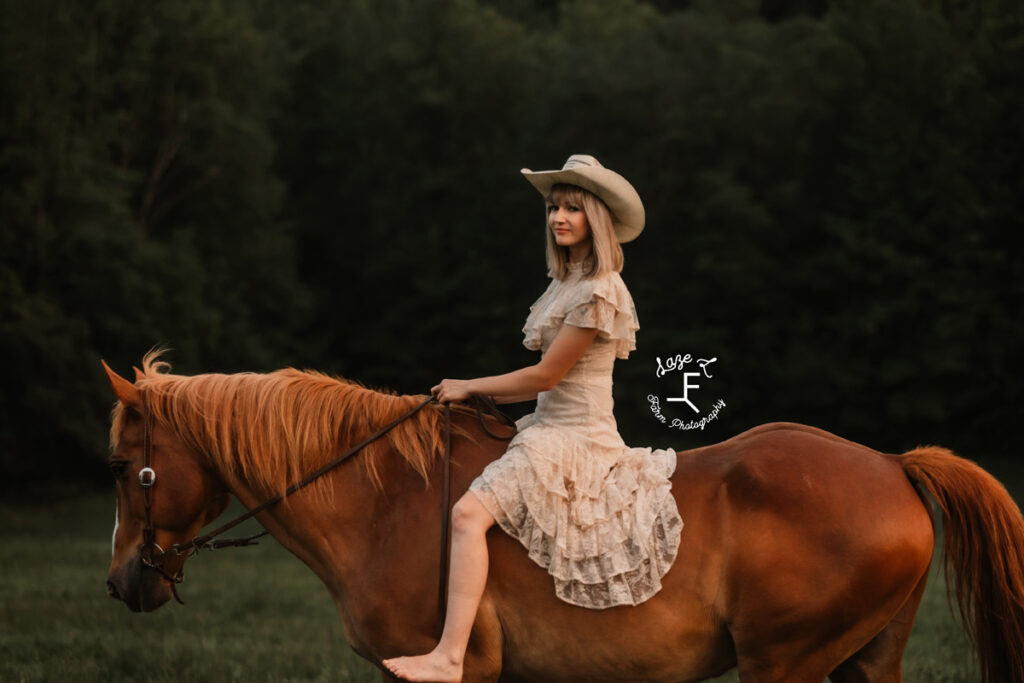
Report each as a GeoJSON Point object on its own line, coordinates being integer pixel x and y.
{"type": "Point", "coordinates": [154, 557]}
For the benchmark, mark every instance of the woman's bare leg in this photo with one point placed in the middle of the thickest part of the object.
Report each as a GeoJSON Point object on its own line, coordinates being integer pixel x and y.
{"type": "Point", "coordinates": [470, 522]}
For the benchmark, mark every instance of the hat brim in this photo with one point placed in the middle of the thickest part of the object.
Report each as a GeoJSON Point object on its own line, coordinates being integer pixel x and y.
{"type": "Point", "coordinates": [619, 196]}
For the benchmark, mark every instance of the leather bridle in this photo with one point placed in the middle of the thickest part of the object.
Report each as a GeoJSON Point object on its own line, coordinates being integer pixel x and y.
{"type": "Point", "coordinates": [154, 557]}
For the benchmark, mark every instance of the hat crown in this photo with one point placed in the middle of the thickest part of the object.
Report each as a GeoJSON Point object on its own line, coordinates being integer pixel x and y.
{"type": "Point", "coordinates": [577, 160]}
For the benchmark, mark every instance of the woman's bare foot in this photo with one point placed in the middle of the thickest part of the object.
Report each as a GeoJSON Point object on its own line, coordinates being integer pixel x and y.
{"type": "Point", "coordinates": [434, 667]}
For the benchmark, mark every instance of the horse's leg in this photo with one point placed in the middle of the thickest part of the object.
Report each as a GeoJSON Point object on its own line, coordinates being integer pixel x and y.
{"type": "Point", "coordinates": [812, 668]}
{"type": "Point", "coordinates": [813, 656]}
{"type": "Point", "coordinates": [809, 659]}
{"type": "Point", "coordinates": [880, 660]}
{"type": "Point", "coordinates": [804, 655]}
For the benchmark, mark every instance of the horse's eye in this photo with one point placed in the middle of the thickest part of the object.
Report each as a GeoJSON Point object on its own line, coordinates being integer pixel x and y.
{"type": "Point", "coordinates": [118, 468]}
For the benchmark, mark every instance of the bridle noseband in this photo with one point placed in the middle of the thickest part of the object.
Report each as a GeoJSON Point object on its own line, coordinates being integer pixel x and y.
{"type": "Point", "coordinates": [154, 557]}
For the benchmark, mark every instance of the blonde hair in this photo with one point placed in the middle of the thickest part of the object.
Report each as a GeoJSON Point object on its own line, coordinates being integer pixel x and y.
{"type": "Point", "coordinates": [605, 251]}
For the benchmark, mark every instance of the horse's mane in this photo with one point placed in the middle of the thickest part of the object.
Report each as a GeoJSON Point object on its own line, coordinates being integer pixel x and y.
{"type": "Point", "coordinates": [272, 429]}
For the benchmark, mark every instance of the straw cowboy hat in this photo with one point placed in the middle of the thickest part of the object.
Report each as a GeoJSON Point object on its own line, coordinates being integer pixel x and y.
{"type": "Point", "coordinates": [615, 191]}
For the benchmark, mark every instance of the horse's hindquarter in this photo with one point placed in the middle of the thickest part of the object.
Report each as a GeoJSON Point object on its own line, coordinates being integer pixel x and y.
{"type": "Point", "coordinates": [823, 540]}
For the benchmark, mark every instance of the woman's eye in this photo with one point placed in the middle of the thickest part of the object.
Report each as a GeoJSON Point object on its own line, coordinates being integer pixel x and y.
{"type": "Point", "coordinates": [118, 468]}
{"type": "Point", "coordinates": [573, 208]}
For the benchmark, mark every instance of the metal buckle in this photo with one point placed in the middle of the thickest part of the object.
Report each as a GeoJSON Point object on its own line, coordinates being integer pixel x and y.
{"type": "Point", "coordinates": [148, 554]}
{"type": "Point", "coordinates": [147, 477]}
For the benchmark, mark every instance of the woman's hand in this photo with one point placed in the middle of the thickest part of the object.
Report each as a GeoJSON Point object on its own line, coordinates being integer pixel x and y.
{"type": "Point", "coordinates": [452, 390]}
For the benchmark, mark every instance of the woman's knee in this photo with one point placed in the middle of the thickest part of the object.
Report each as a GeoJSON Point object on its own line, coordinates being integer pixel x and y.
{"type": "Point", "coordinates": [469, 515]}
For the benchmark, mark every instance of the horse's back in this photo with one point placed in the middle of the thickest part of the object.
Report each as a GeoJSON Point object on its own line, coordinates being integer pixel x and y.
{"type": "Point", "coordinates": [785, 465]}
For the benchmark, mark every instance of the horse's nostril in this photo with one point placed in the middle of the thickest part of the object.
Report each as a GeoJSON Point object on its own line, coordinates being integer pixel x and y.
{"type": "Point", "coordinates": [112, 590]}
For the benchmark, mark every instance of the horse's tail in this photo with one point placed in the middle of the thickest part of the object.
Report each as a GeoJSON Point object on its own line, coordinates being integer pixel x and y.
{"type": "Point", "coordinates": [984, 544]}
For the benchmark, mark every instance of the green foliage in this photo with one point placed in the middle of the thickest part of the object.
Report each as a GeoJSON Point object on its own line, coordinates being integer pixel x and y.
{"type": "Point", "coordinates": [831, 201]}
{"type": "Point", "coordinates": [139, 209]}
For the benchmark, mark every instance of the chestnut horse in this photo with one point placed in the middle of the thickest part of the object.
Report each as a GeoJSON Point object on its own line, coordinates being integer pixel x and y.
{"type": "Point", "coordinates": [804, 555]}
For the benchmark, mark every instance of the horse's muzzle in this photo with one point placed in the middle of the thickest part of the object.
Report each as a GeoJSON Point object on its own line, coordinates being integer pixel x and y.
{"type": "Point", "coordinates": [140, 589]}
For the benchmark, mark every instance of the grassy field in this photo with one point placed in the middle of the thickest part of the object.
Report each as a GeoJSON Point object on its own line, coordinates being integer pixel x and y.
{"type": "Point", "coordinates": [253, 614]}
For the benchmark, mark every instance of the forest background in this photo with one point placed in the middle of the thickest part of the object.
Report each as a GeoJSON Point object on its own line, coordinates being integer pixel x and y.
{"type": "Point", "coordinates": [832, 194]}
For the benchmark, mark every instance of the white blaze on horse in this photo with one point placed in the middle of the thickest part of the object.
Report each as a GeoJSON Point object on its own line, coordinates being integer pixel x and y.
{"type": "Point", "coordinates": [804, 555]}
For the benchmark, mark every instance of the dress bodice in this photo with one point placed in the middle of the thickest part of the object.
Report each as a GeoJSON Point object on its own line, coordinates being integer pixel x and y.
{"type": "Point", "coordinates": [583, 397]}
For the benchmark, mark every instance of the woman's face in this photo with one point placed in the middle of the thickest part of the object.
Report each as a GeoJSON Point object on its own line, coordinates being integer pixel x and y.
{"type": "Point", "coordinates": [567, 222]}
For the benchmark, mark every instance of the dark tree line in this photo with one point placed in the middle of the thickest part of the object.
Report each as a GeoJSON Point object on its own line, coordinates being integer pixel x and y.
{"type": "Point", "coordinates": [833, 192]}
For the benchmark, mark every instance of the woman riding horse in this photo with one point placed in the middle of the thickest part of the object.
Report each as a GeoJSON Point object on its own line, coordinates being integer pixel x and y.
{"type": "Point", "coordinates": [599, 516]}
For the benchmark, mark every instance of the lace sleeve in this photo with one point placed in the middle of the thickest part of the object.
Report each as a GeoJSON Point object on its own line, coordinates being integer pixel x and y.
{"type": "Point", "coordinates": [609, 307]}
{"type": "Point", "coordinates": [539, 317]}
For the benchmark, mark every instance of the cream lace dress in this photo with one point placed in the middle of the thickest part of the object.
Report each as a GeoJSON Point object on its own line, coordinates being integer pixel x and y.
{"type": "Point", "coordinates": [597, 514]}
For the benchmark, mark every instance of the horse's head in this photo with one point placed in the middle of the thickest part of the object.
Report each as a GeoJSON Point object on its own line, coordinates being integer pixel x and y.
{"type": "Point", "coordinates": [184, 496]}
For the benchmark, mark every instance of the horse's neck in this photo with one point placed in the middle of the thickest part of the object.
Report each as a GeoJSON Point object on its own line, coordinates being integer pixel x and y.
{"type": "Point", "coordinates": [378, 549]}
{"type": "Point", "coordinates": [368, 544]}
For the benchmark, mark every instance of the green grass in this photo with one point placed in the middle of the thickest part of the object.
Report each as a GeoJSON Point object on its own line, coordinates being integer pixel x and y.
{"type": "Point", "coordinates": [253, 614]}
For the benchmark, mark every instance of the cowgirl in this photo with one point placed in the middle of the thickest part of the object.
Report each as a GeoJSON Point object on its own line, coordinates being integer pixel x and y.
{"type": "Point", "coordinates": [597, 514]}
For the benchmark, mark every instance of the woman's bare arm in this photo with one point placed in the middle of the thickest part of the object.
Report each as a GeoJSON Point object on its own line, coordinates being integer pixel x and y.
{"type": "Point", "coordinates": [525, 383]}
{"type": "Point", "coordinates": [515, 399]}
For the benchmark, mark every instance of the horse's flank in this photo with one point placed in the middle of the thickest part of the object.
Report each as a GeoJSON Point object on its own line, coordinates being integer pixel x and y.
{"type": "Point", "coordinates": [271, 429]}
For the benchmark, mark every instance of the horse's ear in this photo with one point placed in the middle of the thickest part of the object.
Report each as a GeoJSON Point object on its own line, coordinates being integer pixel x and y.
{"type": "Point", "coordinates": [138, 374]}
{"type": "Point", "coordinates": [125, 391]}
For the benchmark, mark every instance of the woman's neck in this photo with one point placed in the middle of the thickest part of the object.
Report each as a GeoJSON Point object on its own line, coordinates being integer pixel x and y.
{"type": "Point", "coordinates": [578, 253]}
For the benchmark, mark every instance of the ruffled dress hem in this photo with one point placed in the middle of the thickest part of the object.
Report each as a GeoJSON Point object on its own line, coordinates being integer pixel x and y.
{"type": "Point", "coordinates": [618, 560]}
